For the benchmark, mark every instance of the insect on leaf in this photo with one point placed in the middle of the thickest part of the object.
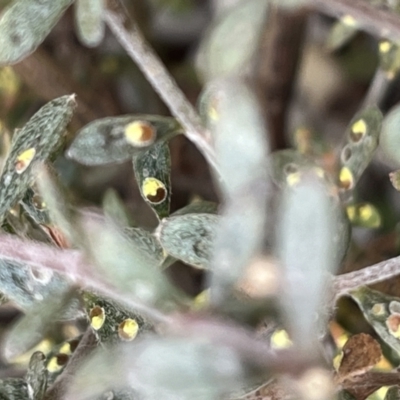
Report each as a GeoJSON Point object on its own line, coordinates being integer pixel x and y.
{"type": "Point", "coordinates": [89, 21]}
{"type": "Point", "coordinates": [25, 24]}
{"type": "Point", "coordinates": [37, 141]}
{"type": "Point", "coordinates": [189, 238]}
{"type": "Point", "coordinates": [118, 139]}
{"type": "Point", "coordinates": [152, 171]}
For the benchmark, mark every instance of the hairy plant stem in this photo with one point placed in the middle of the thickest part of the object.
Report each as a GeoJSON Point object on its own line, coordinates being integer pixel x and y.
{"type": "Point", "coordinates": [131, 39]}
{"type": "Point", "coordinates": [343, 284]}
{"type": "Point", "coordinates": [71, 264]}
{"type": "Point", "coordinates": [377, 21]}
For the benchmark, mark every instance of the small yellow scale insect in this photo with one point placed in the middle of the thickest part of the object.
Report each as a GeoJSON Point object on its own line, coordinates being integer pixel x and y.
{"type": "Point", "coordinates": [24, 159]}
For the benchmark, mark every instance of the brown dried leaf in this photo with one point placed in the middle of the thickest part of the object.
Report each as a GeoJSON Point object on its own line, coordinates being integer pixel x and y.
{"type": "Point", "coordinates": [360, 353]}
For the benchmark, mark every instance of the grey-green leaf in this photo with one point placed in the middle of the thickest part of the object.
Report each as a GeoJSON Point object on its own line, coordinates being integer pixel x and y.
{"type": "Point", "coordinates": [362, 140]}
{"type": "Point", "coordinates": [239, 238]}
{"type": "Point", "coordinates": [390, 136]}
{"type": "Point", "coordinates": [152, 171]}
{"type": "Point", "coordinates": [37, 141]}
{"type": "Point", "coordinates": [110, 330]}
{"type": "Point", "coordinates": [306, 226]}
{"type": "Point", "coordinates": [89, 22]}
{"type": "Point", "coordinates": [238, 133]}
{"type": "Point", "coordinates": [162, 368]}
{"type": "Point", "coordinates": [147, 243]}
{"type": "Point", "coordinates": [118, 139]}
{"type": "Point", "coordinates": [25, 24]}
{"type": "Point", "coordinates": [25, 285]}
{"type": "Point", "coordinates": [189, 238]}
{"type": "Point", "coordinates": [229, 46]}
{"type": "Point", "coordinates": [375, 307]}
{"type": "Point", "coordinates": [14, 389]}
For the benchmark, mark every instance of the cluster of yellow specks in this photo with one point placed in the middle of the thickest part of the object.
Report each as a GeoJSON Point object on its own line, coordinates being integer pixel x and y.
{"type": "Point", "coordinates": [128, 329]}
{"type": "Point", "coordinates": [358, 130]}
{"type": "Point", "coordinates": [24, 159]}
{"type": "Point", "coordinates": [97, 317]}
{"type": "Point", "coordinates": [154, 190]}
{"type": "Point", "coordinates": [346, 178]}
{"type": "Point", "coordinates": [364, 214]}
{"type": "Point", "coordinates": [139, 133]}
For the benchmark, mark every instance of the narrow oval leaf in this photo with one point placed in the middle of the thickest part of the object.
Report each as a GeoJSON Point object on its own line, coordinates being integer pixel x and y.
{"type": "Point", "coordinates": [305, 245]}
{"type": "Point", "coordinates": [239, 239]}
{"type": "Point", "coordinates": [362, 140]}
{"type": "Point", "coordinates": [375, 307]}
{"type": "Point", "coordinates": [390, 136]}
{"type": "Point", "coordinates": [89, 22]}
{"type": "Point", "coordinates": [239, 135]}
{"type": "Point", "coordinates": [147, 243]}
{"type": "Point", "coordinates": [162, 368]}
{"type": "Point", "coordinates": [389, 57]}
{"type": "Point", "coordinates": [189, 238]}
{"type": "Point", "coordinates": [25, 24]}
{"type": "Point", "coordinates": [118, 139]}
{"type": "Point", "coordinates": [35, 142]}
{"type": "Point", "coordinates": [230, 44]}
{"type": "Point", "coordinates": [152, 171]}
{"type": "Point", "coordinates": [113, 323]}
{"type": "Point", "coordinates": [25, 286]}
{"type": "Point", "coordinates": [286, 166]}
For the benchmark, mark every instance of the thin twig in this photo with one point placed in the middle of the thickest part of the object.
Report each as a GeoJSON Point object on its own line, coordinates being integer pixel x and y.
{"type": "Point", "coordinates": [132, 40]}
{"type": "Point", "coordinates": [376, 273]}
{"type": "Point", "coordinates": [277, 66]}
{"type": "Point", "coordinates": [377, 21]}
